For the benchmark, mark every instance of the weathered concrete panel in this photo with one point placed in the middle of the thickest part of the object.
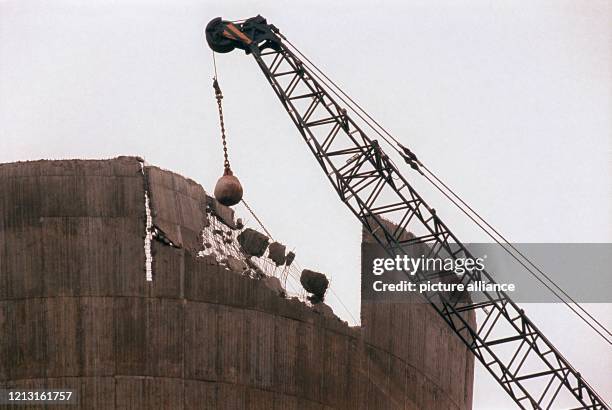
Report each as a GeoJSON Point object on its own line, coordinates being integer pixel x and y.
{"type": "Point", "coordinates": [169, 269]}
{"type": "Point", "coordinates": [178, 207]}
{"type": "Point", "coordinates": [144, 393]}
{"type": "Point", "coordinates": [91, 256]}
{"type": "Point", "coordinates": [130, 339]}
{"type": "Point", "coordinates": [164, 337]}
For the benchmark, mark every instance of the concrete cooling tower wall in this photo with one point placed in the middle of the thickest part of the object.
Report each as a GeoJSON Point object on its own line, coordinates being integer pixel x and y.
{"type": "Point", "coordinates": [76, 309]}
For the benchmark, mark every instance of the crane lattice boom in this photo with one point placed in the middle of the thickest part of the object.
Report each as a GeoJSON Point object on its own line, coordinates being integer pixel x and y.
{"type": "Point", "coordinates": [523, 361]}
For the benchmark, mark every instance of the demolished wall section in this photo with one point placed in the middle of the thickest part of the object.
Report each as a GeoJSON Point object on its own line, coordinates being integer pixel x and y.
{"type": "Point", "coordinates": [178, 206]}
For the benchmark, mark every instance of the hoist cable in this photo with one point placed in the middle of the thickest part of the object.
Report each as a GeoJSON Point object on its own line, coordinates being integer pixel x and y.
{"type": "Point", "coordinates": [510, 245]}
{"type": "Point", "coordinates": [536, 277]}
{"type": "Point", "coordinates": [496, 240]}
{"type": "Point", "coordinates": [503, 246]}
{"type": "Point", "coordinates": [330, 83]}
{"type": "Point", "coordinates": [256, 218]}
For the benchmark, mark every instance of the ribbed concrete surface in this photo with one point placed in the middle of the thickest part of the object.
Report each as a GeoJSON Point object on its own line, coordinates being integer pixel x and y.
{"type": "Point", "coordinates": [76, 311]}
{"type": "Point", "coordinates": [437, 364]}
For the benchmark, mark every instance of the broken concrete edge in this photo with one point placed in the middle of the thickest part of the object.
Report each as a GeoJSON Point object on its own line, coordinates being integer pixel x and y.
{"type": "Point", "coordinates": [272, 284]}
{"type": "Point", "coordinates": [204, 279]}
{"type": "Point", "coordinates": [152, 231]}
{"type": "Point", "coordinates": [190, 181]}
{"type": "Point", "coordinates": [161, 236]}
{"type": "Point", "coordinates": [224, 213]}
{"type": "Point", "coordinates": [253, 242]}
{"type": "Point", "coordinates": [57, 167]}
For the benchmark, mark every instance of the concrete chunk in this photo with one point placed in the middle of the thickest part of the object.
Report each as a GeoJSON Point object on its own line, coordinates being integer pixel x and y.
{"type": "Point", "coordinates": [289, 258]}
{"type": "Point", "coordinates": [276, 252]}
{"type": "Point", "coordinates": [252, 242]}
{"type": "Point", "coordinates": [315, 283]}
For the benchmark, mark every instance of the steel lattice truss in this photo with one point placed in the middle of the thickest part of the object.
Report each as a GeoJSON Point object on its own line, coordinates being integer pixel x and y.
{"type": "Point", "coordinates": [507, 343]}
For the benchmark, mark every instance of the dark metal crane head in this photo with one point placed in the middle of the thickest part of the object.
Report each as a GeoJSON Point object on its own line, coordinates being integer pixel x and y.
{"type": "Point", "coordinates": [251, 35]}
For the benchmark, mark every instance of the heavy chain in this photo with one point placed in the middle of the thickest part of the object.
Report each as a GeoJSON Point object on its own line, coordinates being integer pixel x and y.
{"type": "Point", "coordinates": [219, 97]}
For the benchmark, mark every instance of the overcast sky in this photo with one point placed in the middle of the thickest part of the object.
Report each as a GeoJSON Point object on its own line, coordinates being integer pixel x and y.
{"type": "Point", "coordinates": [509, 102]}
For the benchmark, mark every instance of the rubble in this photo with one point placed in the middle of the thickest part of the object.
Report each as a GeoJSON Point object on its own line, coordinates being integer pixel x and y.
{"type": "Point", "coordinates": [274, 283]}
{"type": "Point", "coordinates": [236, 265]}
{"type": "Point", "coordinates": [325, 310]}
{"type": "Point", "coordinates": [224, 213]}
{"type": "Point", "coordinates": [252, 242]}
{"type": "Point", "coordinates": [276, 252]}
{"type": "Point", "coordinates": [315, 283]}
{"type": "Point", "coordinates": [289, 258]}
{"type": "Point", "coordinates": [257, 271]}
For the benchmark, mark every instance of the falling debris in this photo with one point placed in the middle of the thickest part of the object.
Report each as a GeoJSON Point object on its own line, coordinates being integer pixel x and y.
{"type": "Point", "coordinates": [315, 283]}
{"type": "Point", "coordinates": [258, 273]}
{"type": "Point", "coordinates": [289, 258]}
{"type": "Point", "coordinates": [252, 242]}
{"type": "Point", "coordinates": [225, 242]}
{"type": "Point", "coordinates": [276, 252]}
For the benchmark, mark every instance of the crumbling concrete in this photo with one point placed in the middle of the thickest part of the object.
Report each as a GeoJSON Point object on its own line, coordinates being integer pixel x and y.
{"type": "Point", "coordinates": [252, 242]}
{"type": "Point", "coordinates": [276, 252]}
{"type": "Point", "coordinates": [177, 204]}
{"type": "Point", "coordinates": [324, 309]}
{"type": "Point", "coordinates": [290, 258]}
{"type": "Point", "coordinates": [224, 213]}
{"type": "Point", "coordinates": [236, 265]}
{"type": "Point", "coordinates": [274, 283]}
{"type": "Point", "coordinates": [256, 271]}
{"type": "Point", "coordinates": [315, 283]}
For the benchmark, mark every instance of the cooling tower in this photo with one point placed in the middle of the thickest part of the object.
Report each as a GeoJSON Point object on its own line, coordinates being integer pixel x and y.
{"type": "Point", "coordinates": [77, 311]}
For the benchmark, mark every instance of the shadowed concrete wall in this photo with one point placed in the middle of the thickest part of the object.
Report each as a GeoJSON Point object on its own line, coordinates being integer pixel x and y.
{"type": "Point", "coordinates": [438, 367]}
{"type": "Point", "coordinates": [77, 312]}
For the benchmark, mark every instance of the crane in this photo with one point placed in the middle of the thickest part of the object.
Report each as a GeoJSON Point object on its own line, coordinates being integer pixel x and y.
{"type": "Point", "coordinates": [534, 374]}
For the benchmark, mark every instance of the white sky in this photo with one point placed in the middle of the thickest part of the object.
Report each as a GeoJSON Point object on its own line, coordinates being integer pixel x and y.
{"type": "Point", "coordinates": [509, 102]}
